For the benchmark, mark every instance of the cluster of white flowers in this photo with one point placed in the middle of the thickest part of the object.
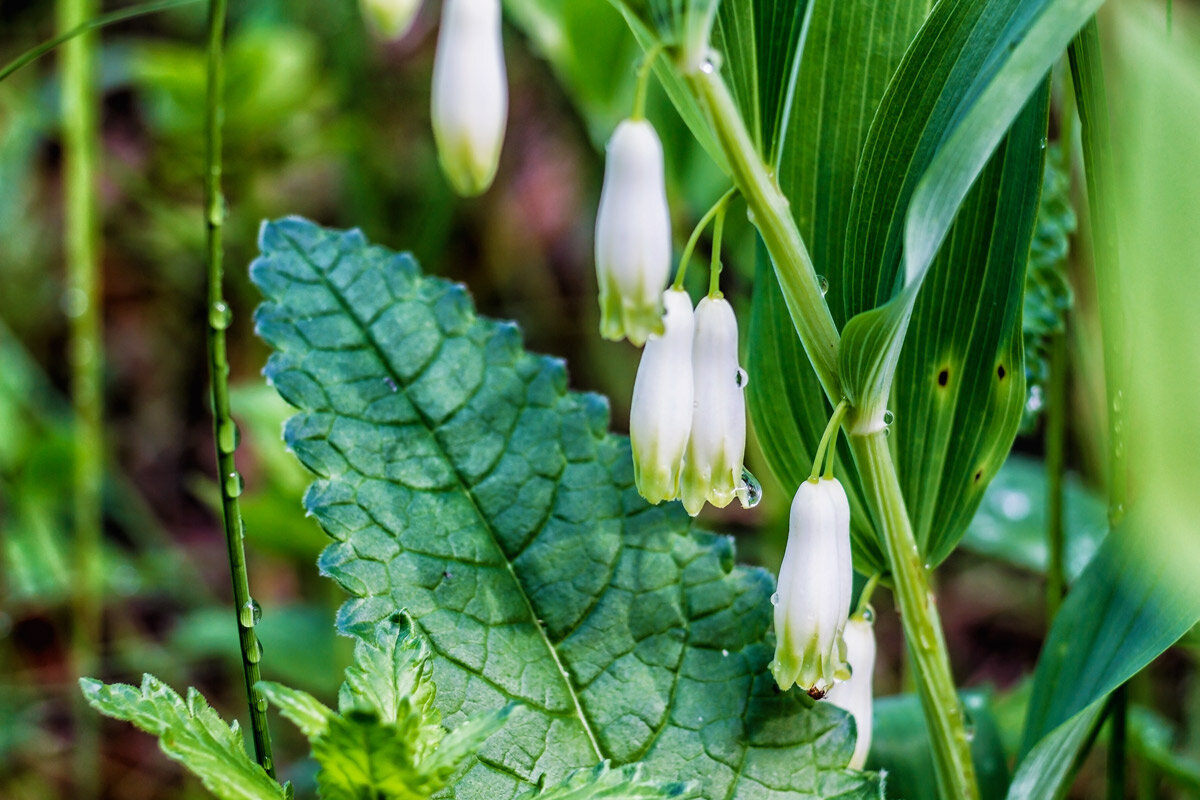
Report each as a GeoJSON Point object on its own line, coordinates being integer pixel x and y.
{"type": "Point", "coordinates": [688, 417]}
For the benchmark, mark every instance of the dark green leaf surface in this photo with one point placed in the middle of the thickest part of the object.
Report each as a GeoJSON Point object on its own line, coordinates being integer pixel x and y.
{"type": "Point", "coordinates": [968, 77]}
{"type": "Point", "coordinates": [1010, 524]}
{"type": "Point", "coordinates": [189, 732]}
{"type": "Point", "coordinates": [926, 188]}
{"type": "Point", "coordinates": [605, 782]}
{"type": "Point", "coordinates": [758, 42]}
{"type": "Point", "coordinates": [1120, 615]}
{"type": "Point", "coordinates": [900, 745]}
{"type": "Point", "coordinates": [838, 89]}
{"type": "Point", "coordinates": [462, 482]}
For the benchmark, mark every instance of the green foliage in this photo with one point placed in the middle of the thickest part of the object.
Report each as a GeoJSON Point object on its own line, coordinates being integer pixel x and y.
{"type": "Point", "coordinates": [758, 41]}
{"type": "Point", "coordinates": [605, 782]}
{"type": "Point", "coordinates": [1010, 524]}
{"type": "Point", "coordinates": [189, 732]}
{"type": "Point", "coordinates": [1120, 615]}
{"type": "Point", "coordinates": [839, 94]}
{"type": "Point", "coordinates": [900, 746]}
{"type": "Point", "coordinates": [1048, 295]}
{"type": "Point", "coordinates": [462, 482]}
{"type": "Point", "coordinates": [386, 741]}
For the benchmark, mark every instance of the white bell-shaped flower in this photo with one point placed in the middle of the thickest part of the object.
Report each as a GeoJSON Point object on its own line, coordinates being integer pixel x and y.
{"type": "Point", "coordinates": [391, 19]}
{"type": "Point", "coordinates": [712, 467]}
{"type": "Point", "coordinates": [470, 94]}
{"type": "Point", "coordinates": [660, 417]}
{"type": "Point", "coordinates": [633, 234]}
{"type": "Point", "coordinates": [855, 694]}
{"type": "Point", "coordinates": [813, 600]}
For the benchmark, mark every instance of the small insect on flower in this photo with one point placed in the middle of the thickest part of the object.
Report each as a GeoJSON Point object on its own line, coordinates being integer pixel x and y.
{"type": "Point", "coordinates": [712, 468]}
{"type": "Point", "coordinates": [390, 19]}
{"type": "Point", "coordinates": [660, 416]}
{"type": "Point", "coordinates": [813, 601]}
{"type": "Point", "coordinates": [855, 693]}
{"type": "Point", "coordinates": [633, 235]}
{"type": "Point", "coordinates": [470, 94]}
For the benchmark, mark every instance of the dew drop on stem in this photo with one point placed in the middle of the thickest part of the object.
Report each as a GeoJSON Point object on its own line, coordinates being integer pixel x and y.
{"type": "Point", "coordinates": [219, 315]}
{"type": "Point", "coordinates": [234, 484]}
{"type": "Point", "coordinates": [228, 436]}
{"type": "Point", "coordinates": [250, 614]}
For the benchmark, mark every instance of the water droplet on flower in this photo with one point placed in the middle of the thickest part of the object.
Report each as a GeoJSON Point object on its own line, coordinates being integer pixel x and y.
{"type": "Point", "coordinates": [234, 484]}
{"type": "Point", "coordinates": [823, 282]}
{"type": "Point", "coordinates": [749, 491]}
{"type": "Point", "coordinates": [219, 315]}
{"type": "Point", "coordinates": [775, 599]}
{"type": "Point", "coordinates": [742, 379]}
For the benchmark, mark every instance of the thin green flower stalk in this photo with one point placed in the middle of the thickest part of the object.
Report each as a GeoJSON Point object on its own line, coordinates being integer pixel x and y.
{"type": "Point", "coordinates": [82, 303]}
{"type": "Point", "coordinates": [225, 430]}
{"type": "Point", "coordinates": [814, 324]}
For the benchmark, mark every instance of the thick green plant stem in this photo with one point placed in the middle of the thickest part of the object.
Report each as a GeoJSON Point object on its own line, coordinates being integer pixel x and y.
{"type": "Point", "coordinates": [86, 355]}
{"type": "Point", "coordinates": [772, 216]}
{"type": "Point", "coordinates": [225, 430]}
{"type": "Point", "coordinates": [919, 615]}
{"type": "Point", "coordinates": [1056, 441]}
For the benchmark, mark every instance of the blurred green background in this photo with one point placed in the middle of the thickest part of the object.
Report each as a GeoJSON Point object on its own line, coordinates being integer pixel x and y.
{"type": "Point", "coordinates": [326, 121]}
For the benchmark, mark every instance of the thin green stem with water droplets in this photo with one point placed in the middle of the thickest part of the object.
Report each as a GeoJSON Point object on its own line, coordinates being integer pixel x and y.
{"type": "Point", "coordinates": [224, 428]}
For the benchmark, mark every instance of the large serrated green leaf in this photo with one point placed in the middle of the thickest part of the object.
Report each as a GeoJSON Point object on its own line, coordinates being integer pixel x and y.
{"type": "Point", "coordinates": [838, 89]}
{"type": "Point", "coordinates": [462, 482]}
{"type": "Point", "coordinates": [190, 732]}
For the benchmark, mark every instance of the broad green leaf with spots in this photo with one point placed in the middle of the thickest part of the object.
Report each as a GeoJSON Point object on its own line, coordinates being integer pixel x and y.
{"type": "Point", "coordinates": [462, 482]}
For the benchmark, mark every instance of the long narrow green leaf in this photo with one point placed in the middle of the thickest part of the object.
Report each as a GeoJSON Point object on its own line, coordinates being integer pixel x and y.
{"type": "Point", "coordinates": [983, 62]}
{"type": "Point", "coordinates": [837, 92]}
{"type": "Point", "coordinates": [1121, 613]}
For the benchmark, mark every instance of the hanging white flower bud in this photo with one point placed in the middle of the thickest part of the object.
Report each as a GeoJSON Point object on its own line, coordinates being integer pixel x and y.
{"type": "Point", "coordinates": [855, 695]}
{"type": "Point", "coordinates": [633, 234]}
{"type": "Point", "coordinates": [660, 416]}
{"type": "Point", "coordinates": [813, 600]}
{"type": "Point", "coordinates": [712, 468]}
{"type": "Point", "coordinates": [470, 94]}
{"type": "Point", "coordinates": [391, 19]}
